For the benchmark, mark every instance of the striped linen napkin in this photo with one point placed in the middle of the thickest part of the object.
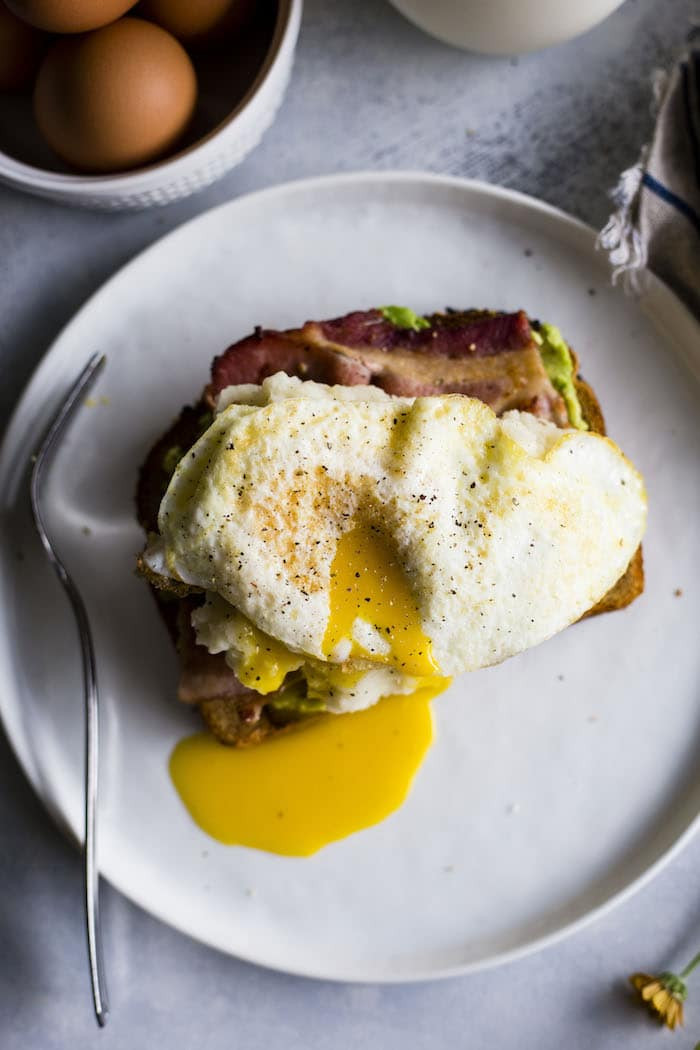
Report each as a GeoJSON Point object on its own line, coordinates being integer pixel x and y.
{"type": "Point", "coordinates": [657, 220]}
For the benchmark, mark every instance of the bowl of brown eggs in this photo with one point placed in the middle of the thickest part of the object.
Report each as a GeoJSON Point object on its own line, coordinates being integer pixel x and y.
{"type": "Point", "coordinates": [114, 104]}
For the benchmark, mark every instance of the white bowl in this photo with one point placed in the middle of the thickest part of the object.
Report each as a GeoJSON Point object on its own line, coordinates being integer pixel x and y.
{"type": "Point", "coordinates": [505, 27]}
{"type": "Point", "coordinates": [194, 167]}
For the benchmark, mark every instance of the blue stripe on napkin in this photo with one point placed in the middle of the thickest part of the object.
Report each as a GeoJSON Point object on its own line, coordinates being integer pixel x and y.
{"type": "Point", "coordinates": [671, 198]}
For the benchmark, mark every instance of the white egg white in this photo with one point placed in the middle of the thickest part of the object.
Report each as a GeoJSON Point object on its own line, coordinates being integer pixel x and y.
{"type": "Point", "coordinates": [509, 529]}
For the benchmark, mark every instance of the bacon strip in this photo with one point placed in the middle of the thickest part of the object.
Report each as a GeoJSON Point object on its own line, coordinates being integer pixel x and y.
{"type": "Point", "coordinates": [203, 675]}
{"type": "Point", "coordinates": [492, 357]}
{"type": "Point", "coordinates": [453, 335]}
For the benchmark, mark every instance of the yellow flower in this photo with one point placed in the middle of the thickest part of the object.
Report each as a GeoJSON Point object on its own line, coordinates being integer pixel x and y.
{"type": "Point", "coordinates": [664, 995]}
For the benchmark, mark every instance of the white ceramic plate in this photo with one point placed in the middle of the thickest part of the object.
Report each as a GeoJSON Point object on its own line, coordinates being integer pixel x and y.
{"type": "Point", "coordinates": [558, 781]}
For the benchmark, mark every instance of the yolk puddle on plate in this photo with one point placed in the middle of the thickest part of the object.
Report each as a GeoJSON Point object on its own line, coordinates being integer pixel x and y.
{"type": "Point", "coordinates": [331, 776]}
{"type": "Point", "coordinates": [316, 783]}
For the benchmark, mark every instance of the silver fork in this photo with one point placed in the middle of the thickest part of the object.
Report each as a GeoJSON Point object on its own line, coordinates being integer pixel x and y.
{"type": "Point", "coordinates": [41, 462]}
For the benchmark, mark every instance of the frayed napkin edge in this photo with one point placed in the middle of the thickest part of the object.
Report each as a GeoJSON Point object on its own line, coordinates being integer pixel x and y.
{"type": "Point", "coordinates": [620, 237]}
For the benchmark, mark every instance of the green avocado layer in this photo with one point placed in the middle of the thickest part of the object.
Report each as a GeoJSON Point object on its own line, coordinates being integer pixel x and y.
{"type": "Point", "coordinates": [404, 317]}
{"type": "Point", "coordinates": [559, 366]}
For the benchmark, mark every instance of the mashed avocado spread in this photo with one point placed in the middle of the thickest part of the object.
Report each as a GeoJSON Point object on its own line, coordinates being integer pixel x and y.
{"type": "Point", "coordinates": [559, 366]}
{"type": "Point", "coordinates": [404, 317]}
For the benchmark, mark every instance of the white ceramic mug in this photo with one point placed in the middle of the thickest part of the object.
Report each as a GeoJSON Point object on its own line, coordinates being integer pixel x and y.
{"type": "Point", "coordinates": [505, 27]}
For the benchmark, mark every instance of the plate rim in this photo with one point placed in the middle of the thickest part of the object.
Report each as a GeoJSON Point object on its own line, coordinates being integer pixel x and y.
{"type": "Point", "coordinates": [14, 730]}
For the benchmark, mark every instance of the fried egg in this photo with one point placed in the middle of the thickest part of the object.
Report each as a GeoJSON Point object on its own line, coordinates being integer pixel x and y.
{"type": "Point", "coordinates": [367, 544]}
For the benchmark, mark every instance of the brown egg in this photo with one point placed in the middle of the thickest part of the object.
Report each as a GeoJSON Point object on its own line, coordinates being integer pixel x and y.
{"type": "Point", "coordinates": [21, 51]}
{"type": "Point", "coordinates": [199, 21]}
{"type": "Point", "coordinates": [116, 98]}
{"type": "Point", "coordinates": [70, 16]}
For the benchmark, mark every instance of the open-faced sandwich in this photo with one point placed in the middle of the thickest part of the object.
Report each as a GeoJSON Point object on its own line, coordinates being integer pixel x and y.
{"type": "Point", "coordinates": [361, 506]}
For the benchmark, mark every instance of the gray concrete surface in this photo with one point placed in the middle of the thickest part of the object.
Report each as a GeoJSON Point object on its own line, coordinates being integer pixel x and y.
{"type": "Point", "coordinates": [368, 91]}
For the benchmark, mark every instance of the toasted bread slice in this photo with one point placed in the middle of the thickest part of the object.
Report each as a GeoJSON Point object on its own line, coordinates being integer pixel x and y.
{"type": "Point", "coordinates": [234, 719]}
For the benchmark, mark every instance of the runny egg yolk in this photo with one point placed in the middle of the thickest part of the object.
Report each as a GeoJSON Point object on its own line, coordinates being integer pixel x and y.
{"type": "Point", "coordinates": [372, 616]}
{"type": "Point", "coordinates": [335, 774]}
{"type": "Point", "coordinates": [264, 662]}
{"type": "Point", "coordinates": [316, 783]}
{"type": "Point", "coordinates": [369, 585]}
